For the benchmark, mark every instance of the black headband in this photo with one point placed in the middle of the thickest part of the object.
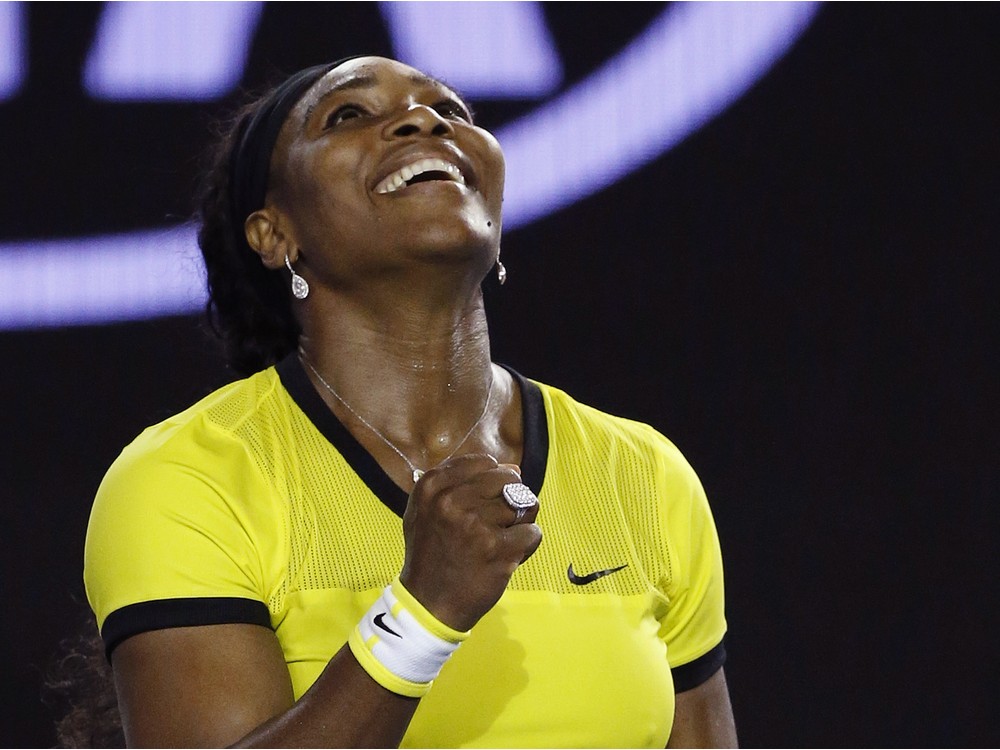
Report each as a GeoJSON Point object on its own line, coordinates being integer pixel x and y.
{"type": "Point", "coordinates": [250, 161]}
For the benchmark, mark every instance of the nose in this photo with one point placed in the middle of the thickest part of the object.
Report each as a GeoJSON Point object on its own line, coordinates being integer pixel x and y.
{"type": "Point", "coordinates": [418, 119]}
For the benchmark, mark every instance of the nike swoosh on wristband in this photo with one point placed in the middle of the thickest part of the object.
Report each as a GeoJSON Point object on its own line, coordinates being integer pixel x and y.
{"type": "Point", "coordinates": [591, 577]}
{"type": "Point", "coordinates": [386, 628]}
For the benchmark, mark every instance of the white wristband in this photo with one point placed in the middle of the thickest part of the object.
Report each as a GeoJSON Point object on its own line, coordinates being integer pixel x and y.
{"type": "Point", "coordinates": [402, 645]}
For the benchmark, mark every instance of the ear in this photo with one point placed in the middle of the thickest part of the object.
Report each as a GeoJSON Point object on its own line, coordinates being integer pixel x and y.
{"type": "Point", "coordinates": [265, 237]}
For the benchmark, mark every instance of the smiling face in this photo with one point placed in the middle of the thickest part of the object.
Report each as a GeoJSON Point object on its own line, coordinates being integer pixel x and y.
{"type": "Point", "coordinates": [379, 167]}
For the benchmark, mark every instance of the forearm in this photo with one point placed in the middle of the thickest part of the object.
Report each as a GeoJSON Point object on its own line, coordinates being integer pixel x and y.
{"type": "Point", "coordinates": [343, 708]}
{"type": "Point", "coordinates": [210, 686]}
{"type": "Point", "coordinates": [216, 685]}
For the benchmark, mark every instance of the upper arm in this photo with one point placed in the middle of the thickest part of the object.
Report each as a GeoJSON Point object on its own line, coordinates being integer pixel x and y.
{"type": "Point", "coordinates": [182, 519]}
{"type": "Point", "coordinates": [205, 686]}
{"type": "Point", "coordinates": [175, 571]}
{"type": "Point", "coordinates": [694, 623]}
{"type": "Point", "coordinates": [703, 716]}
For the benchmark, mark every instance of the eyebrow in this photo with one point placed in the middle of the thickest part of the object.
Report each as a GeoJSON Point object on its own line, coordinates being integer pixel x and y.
{"type": "Point", "coordinates": [363, 81]}
{"type": "Point", "coordinates": [367, 81]}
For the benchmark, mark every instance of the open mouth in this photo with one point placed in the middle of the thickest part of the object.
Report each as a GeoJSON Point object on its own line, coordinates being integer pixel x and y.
{"type": "Point", "coordinates": [422, 170]}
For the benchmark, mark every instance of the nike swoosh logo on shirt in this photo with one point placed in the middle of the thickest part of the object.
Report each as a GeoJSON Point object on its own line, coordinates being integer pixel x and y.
{"type": "Point", "coordinates": [591, 577]}
{"type": "Point", "coordinates": [386, 628]}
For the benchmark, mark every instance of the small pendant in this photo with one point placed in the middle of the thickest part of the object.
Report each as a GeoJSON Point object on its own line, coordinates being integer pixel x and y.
{"type": "Point", "coordinates": [417, 473]}
{"type": "Point", "coordinates": [300, 287]}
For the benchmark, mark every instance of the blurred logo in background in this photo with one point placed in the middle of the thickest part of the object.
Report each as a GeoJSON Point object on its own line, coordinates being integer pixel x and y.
{"type": "Point", "coordinates": [570, 141]}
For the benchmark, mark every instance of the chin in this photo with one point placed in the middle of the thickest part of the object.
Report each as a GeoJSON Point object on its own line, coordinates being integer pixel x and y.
{"type": "Point", "coordinates": [458, 241]}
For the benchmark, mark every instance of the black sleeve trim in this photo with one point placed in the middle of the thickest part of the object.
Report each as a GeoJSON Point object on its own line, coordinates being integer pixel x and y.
{"type": "Point", "coordinates": [178, 613]}
{"type": "Point", "coordinates": [691, 675]}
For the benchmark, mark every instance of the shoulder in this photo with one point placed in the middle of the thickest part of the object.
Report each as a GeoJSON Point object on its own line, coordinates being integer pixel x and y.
{"type": "Point", "coordinates": [652, 482]}
{"type": "Point", "coordinates": [587, 428]}
{"type": "Point", "coordinates": [215, 420]}
{"type": "Point", "coordinates": [202, 453]}
{"type": "Point", "coordinates": [187, 495]}
{"type": "Point", "coordinates": [225, 409]}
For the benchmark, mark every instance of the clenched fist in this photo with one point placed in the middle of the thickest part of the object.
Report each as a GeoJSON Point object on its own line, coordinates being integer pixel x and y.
{"type": "Point", "coordinates": [463, 541]}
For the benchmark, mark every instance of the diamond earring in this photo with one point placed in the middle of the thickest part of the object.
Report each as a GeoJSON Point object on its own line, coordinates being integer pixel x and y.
{"type": "Point", "coordinates": [300, 287]}
{"type": "Point", "coordinates": [501, 272]}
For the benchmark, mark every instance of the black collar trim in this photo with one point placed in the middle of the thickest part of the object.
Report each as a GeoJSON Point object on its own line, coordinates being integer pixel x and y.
{"type": "Point", "coordinates": [300, 388]}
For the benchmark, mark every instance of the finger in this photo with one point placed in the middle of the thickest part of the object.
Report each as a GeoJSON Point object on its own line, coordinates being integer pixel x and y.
{"type": "Point", "coordinates": [523, 539]}
{"type": "Point", "coordinates": [457, 470]}
{"type": "Point", "coordinates": [517, 503]}
{"type": "Point", "coordinates": [513, 467]}
{"type": "Point", "coordinates": [468, 495]}
{"type": "Point", "coordinates": [521, 502]}
{"type": "Point", "coordinates": [479, 482]}
{"type": "Point", "coordinates": [528, 517]}
{"type": "Point", "coordinates": [490, 484]}
{"type": "Point", "coordinates": [483, 495]}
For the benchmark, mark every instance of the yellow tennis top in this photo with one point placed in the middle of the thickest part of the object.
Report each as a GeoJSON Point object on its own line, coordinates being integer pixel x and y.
{"type": "Point", "coordinates": [257, 505]}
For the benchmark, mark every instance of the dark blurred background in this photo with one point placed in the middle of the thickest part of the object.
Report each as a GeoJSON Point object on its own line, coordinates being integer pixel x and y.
{"type": "Point", "coordinates": [802, 294]}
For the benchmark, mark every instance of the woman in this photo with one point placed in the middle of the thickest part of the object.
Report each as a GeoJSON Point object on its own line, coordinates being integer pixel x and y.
{"type": "Point", "coordinates": [343, 549]}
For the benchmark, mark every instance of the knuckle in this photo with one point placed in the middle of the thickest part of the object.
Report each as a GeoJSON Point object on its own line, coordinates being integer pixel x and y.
{"type": "Point", "coordinates": [493, 547]}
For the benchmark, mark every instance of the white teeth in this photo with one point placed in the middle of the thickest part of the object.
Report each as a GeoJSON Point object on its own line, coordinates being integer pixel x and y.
{"type": "Point", "coordinates": [400, 177]}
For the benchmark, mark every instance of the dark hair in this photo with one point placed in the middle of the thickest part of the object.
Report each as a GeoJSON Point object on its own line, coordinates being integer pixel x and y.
{"type": "Point", "coordinates": [80, 690]}
{"type": "Point", "coordinates": [249, 307]}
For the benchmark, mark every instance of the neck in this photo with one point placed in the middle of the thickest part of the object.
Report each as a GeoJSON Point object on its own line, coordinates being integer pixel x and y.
{"type": "Point", "coordinates": [417, 376]}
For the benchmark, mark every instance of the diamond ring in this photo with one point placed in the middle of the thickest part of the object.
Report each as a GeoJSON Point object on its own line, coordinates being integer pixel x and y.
{"type": "Point", "coordinates": [519, 498]}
